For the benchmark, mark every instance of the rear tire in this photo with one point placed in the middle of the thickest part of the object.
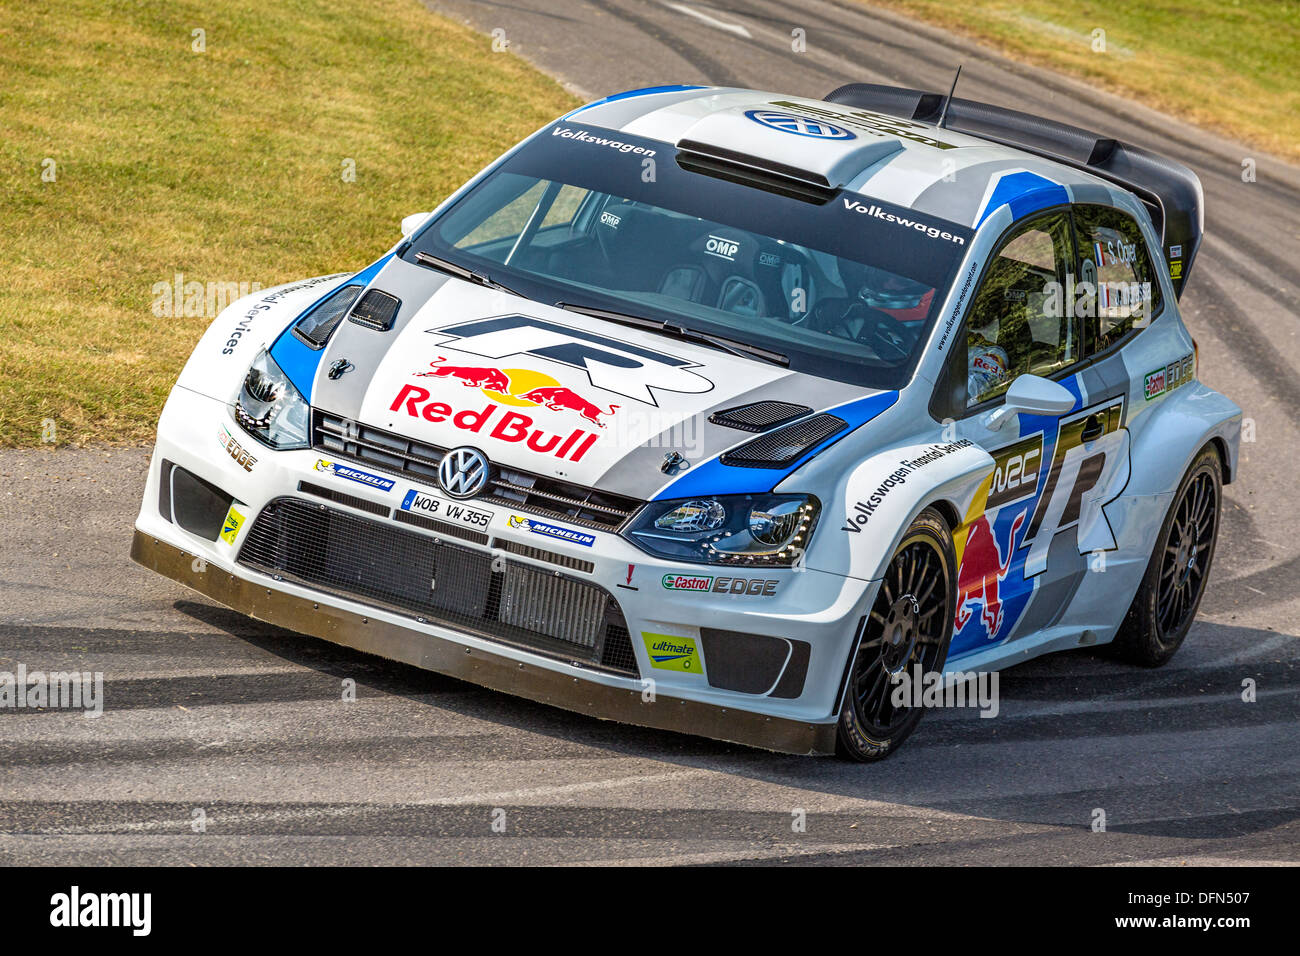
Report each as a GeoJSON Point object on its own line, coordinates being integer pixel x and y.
{"type": "Point", "coordinates": [1174, 583]}
{"type": "Point", "coordinates": [909, 625]}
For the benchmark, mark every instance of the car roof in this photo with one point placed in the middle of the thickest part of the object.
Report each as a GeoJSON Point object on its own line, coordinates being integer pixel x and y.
{"type": "Point", "coordinates": [908, 163]}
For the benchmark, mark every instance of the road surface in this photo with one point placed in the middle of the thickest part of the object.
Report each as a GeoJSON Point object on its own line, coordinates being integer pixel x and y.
{"type": "Point", "coordinates": [226, 741]}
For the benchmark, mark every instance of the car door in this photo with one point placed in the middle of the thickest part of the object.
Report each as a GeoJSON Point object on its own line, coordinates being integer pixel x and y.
{"type": "Point", "coordinates": [1020, 548]}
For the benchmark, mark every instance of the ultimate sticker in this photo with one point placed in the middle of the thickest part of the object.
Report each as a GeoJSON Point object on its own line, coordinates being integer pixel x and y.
{"type": "Point", "coordinates": [670, 653]}
{"type": "Point", "coordinates": [230, 527]}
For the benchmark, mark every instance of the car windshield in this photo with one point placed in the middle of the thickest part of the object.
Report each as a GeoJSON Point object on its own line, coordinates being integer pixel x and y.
{"type": "Point", "coordinates": [846, 288]}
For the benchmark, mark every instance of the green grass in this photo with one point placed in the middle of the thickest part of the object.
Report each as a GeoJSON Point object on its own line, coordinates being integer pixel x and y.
{"type": "Point", "coordinates": [224, 165]}
{"type": "Point", "coordinates": [1228, 65]}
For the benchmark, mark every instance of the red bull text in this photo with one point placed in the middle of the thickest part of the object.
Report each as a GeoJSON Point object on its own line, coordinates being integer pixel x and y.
{"type": "Point", "coordinates": [507, 426]}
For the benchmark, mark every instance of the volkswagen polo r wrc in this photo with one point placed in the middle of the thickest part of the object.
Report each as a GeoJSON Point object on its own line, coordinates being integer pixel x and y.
{"type": "Point", "coordinates": [722, 411]}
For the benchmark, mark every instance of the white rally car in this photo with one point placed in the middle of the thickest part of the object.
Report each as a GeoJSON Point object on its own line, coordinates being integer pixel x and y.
{"type": "Point", "coordinates": [720, 411]}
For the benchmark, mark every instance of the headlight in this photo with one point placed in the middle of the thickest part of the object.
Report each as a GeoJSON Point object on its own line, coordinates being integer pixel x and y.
{"type": "Point", "coordinates": [270, 408]}
{"type": "Point", "coordinates": [747, 530]}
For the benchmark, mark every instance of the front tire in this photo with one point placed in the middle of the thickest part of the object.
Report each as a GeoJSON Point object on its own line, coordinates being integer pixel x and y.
{"type": "Point", "coordinates": [1174, 583]}
{"type": "Point", "coordinates": [909, 626]}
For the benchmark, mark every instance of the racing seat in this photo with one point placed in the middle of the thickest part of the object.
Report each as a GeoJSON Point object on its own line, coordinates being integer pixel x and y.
{"type": "Point", "coordinates": [636, 246]}
{"type": "Point", "coordinates": [718, 271]}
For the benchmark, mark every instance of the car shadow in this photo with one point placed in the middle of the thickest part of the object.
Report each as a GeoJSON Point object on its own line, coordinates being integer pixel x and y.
{"type": "Point", "coordinates": [1173, 752]}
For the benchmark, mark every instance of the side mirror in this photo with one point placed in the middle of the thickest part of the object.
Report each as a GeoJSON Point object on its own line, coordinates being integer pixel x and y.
{"type": "Point", "coordinates": [414, 222]}
{"type": "Point", "coordinates": [1030, 394]}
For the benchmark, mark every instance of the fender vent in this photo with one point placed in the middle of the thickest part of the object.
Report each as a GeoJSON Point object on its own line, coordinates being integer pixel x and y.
{"type": "Point", "coordinates": [376, 310]}
{"type": "Point", "coordinates": [786, 445]}
{"type": "Point", "coordinates": [759, 416]}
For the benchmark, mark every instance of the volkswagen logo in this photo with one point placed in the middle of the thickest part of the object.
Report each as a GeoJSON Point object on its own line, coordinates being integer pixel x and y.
{"type": "Point", "coordinates": [463, 472]}
{"type": "Point", "coordinates": [799, 125]}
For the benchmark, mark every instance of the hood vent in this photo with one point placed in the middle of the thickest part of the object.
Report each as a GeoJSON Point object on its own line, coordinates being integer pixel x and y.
{"type": "Point", "coordinates": [319, 322]}
{"type": "Point", "coordinates": [376, 310]}
{"type": "Point", "coordinates": [786, 445]}
{"type": "Point", "coordinates": [759, 416]}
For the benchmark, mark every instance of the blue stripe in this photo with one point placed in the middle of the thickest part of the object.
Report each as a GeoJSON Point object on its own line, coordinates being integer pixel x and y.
{"type": "Point", "coordinates": [1024, 192]}
{"type": "Point", "coordinates": [712, 477]}
{"type": "Point", "coordinates": [298, 360]}
{"type": "Point", "coordinates": [628, 94]}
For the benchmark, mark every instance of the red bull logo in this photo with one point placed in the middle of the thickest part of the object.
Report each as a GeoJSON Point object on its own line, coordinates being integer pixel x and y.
{"type": "Point", "coordinates": [558, 398]}
{"type": "Point", "coordinates": [493, 421]}
{"type": "Point", "coordinates": [469, 375]}
{"type": "Point", "coordinates": [979, 579]}
{"type": "Point", "coordinates": [522, 387]}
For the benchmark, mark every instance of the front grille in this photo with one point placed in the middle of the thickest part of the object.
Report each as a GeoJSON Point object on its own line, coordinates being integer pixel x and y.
{"type": "Point", "coordinates": [439, 581]}
{"type": "Point", "coordinates": [540, 554]}
{"type": "Point", "coordinates": [440, 527]}
{"type": "Point", "coordinates": [343, 498]}
{"type": "Point", "coordinates": [540, 495]}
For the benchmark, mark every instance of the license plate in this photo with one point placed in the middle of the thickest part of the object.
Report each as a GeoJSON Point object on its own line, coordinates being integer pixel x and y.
{"type": "Point", "coordinates": [431, 506]}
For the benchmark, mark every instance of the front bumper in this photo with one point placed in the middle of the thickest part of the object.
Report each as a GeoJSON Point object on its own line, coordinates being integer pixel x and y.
{"type": "Point", "coordinates": [386, 638]}
{"type": "Point", "coordinates": [733, 694]}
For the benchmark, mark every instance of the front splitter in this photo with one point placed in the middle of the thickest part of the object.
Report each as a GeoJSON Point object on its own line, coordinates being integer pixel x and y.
{"type": "Point", "coordinates": [543, 685]}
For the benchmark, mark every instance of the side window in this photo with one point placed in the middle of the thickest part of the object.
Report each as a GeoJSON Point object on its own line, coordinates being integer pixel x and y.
{"type": "Point", "coordinates": [1113, 257]}
{"type": "Point", "coordinates": [1015, 324]}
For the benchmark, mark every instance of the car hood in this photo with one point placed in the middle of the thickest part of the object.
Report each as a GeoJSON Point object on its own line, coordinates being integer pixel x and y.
{"type": "Point", "coordinates": [545, 390]}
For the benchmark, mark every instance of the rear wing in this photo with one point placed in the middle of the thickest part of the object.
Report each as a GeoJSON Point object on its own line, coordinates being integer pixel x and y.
{"type": "Point", "coordinates": [1169, 190]}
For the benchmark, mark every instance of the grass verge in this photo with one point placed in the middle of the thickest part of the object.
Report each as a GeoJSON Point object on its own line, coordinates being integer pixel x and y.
{"type": "Point", "coordinates": [1232, 66]}
{"type": "Point", "coordinates": [224, 161]}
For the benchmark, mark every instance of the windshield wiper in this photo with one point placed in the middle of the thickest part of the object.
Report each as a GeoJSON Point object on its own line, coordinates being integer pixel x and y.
{"type": "Point", "coordinates": [460, 272]}
{"type": "Point", "coordinates": [734, 346]}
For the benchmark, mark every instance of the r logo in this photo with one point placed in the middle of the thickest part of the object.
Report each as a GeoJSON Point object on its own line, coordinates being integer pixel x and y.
{"type": "Point", "coordinates": [620, 367]}
{"type": "Point", "coordinates": [1091, 450]}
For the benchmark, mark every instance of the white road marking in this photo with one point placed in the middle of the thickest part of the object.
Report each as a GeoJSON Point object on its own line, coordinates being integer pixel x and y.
{"type": "Point", "coordinates": [219, 818]}
{"type": "Point", "coordinates": [717, 24]}
{"type": "Point", "coordinates": [740, 853]}
{"type": "Point", "coordinates": [511, 796]}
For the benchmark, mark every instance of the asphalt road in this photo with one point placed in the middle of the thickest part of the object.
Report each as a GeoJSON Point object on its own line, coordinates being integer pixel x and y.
{"type": "Point", "coordinates": [226, 741]}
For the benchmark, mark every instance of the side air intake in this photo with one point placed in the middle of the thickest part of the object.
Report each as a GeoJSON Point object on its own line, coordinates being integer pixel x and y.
{"type": "Point", "coordinates": [785, 445]}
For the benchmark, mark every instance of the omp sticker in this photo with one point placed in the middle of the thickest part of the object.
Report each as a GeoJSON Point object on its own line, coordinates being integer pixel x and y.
{"type": "Point", "coordinates": [230, 527]}
{"type": "Point", "coordinates": [671, 653]}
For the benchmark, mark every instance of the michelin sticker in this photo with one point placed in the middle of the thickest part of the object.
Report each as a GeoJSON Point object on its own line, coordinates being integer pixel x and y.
{"type": "Point", "coordinates": [355, 474]}
{"type": "Point", "coordinates": [553, 531]}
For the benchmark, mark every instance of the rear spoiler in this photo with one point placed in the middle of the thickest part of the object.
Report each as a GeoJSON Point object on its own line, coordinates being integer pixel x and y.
{"type": "Point", "coordinates": [1170, 191]}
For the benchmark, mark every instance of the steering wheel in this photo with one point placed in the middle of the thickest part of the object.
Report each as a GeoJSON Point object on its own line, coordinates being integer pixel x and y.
{"type": "Point", "coordinates": [859, 322]}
